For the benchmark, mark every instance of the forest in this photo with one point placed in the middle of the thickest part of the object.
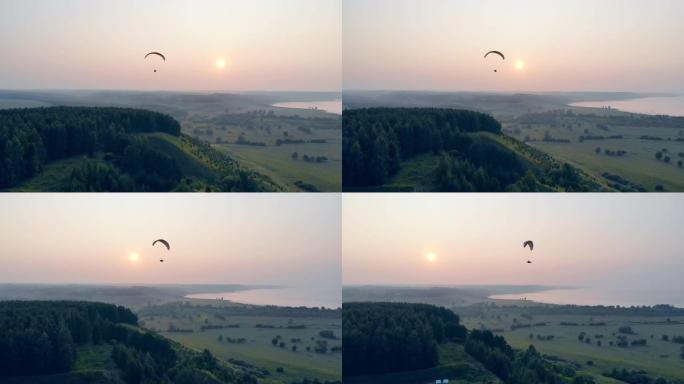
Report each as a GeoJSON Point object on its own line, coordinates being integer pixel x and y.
{"type": "Point", "coordinates": [376, 140]}
{"type": "Point", "coordinates": [469, 153]}
{"type": "Point", "coordinates": [117, 150]}
{"type": "Point", "coordinates": [388, 337]}
{"type": "Point", "coordinates": [385, 338]}
{"type": "Point", "coordinates": [48, 337]}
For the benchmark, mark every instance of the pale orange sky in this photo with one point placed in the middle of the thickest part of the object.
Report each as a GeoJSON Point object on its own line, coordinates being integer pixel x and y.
{"type": "Point", "coordinates": [286, 239]}
{"type": "Point", "coordinates": [578, 45]}
{"type": "Point", "coordinates": [579, 239]}
{"type": "Point", "coordinates": [81, 44]}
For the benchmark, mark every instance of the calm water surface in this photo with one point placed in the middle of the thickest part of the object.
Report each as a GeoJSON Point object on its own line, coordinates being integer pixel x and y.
{"type": "Point", "coordinates": [284, 297]}
{"type": "Point", "coordinates": [673, 106]}
{"type": "Point", "coordinates": [602, 296]}
{"type": "Point", "coordinates": [332, 106]}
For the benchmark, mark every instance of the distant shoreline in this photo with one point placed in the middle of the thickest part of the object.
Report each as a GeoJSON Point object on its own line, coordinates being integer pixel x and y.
{"type": "Point", "coordinates": [579, 296]}
{"type": "Point", "coordinates": [649, 105]}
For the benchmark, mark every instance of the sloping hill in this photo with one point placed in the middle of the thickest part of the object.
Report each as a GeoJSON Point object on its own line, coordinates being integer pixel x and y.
{"type": "Point", "coordinates": [79, 342]}
{"type": "Point", "coordinates": [446, 150]}
{"type": "Point", "coordinates": [112, 150]}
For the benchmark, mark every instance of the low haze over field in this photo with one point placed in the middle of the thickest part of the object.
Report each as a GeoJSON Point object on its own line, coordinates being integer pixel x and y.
{"type": "Point", "coordinates": [254, 239]}
{"type": "Point", "coordinates": [208, 44]}
{"type": "Point", "coordinates": [628, 241]}
{"type": "Point", "coordinates": [582, 45]}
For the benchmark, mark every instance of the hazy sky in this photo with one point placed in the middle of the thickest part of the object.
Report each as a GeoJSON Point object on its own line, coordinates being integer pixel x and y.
{"type": "Point", "coordinates": [606, 45]}
{"type": "Point", "coordinates": [97, 44]}
{"type": "Point", "coordinates": [579, 239]}
{"type": "Point", "coordinates": [288, 239]}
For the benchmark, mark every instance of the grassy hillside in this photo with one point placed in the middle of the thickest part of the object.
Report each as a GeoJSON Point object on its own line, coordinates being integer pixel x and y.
{"type": "Point", "coordinates": [421, 343]}
{"type": "Point", "coordinates": [447, 150]}
{"type": "Point", "coordinates": [615, 149]}
{"type": "Point", "coordinates": [222, 119]}
{"type": "Point", "coordinates": [244, 335]}
{"type": "Point", "coordinates": [79, 342]}
{"type": "Point", "coordinates": [590, 339]}
{"type": "Point", "coordinates": [599, 350]}
{"type": "Point", "coordinates": [112, 150]}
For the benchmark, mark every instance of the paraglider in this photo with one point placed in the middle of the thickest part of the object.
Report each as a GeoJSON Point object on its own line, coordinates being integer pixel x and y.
{"type": "Point", "coordinates": [156, 54]}
{"type": "Point", "coordinates": [496, 53]}
{"type": "Point", "coordinates": [163, 242]}
{"type": "Point", "coordinates": [530, 244]}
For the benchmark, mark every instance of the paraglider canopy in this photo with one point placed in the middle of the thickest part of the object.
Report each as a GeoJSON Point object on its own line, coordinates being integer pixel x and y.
{"type": "Point", "coordinates": [528, 243]}
{"type": "Point", "coordinates": [160, 55]}
{"type": "Point", "coordinates": [166, 243]}
{"type": "Point", "coordinates": [156, 54]}
{"type": "Point", "coordinates": [495, 53]}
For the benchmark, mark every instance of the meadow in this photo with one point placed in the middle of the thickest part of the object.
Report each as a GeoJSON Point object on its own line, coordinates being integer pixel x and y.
{"type": "Point", "coordinates": [244, 336]}
{"type": "Point", "coordinates": [246, 127]}
{"type": "Point", "coordinates": [592, 340]}
{"type": "Point", "coordinates": [616, 149]}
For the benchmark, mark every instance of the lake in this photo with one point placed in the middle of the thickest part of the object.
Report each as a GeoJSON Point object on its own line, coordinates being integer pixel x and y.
{"type": "Point", "coordinates": [601, 296]}
{"type": "Point", "coordinates": [673, 106]}
{"type": "Point", "coordinates": [331, 106]}
{"type": "Point", "coordinates": [284, 297]}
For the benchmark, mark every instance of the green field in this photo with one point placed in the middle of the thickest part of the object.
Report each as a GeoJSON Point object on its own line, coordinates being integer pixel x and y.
{"type": "Point", "coordinates": [277, 162]}
{"type": "Point", "coordinates": [257, 350]}
{"type": "Point", "coordinates": [220, 119]}
{"type": "Point", "coordinates": [543, 120]}
{"type": "Point", "coordinates": [657, 357]}
{"type": "Point", "coordinates": [194, 163]}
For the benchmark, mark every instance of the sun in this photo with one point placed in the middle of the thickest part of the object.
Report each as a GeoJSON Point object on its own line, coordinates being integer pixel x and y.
{"type": "Point", "coordinates": [431, 257]}
{"type": "Point", "coordinates": [134, 257]}
{"type": "Point", "coordinates": [220, 63]}
{"type": "Point", "coordinates": [519, 65]}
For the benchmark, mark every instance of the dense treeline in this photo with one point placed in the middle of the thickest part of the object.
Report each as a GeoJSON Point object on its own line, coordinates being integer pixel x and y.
{"type": "Point", "coordinates": [116, 156]}
{"type": "Point", "coordinates": [375, 140]}
{"type": "Point", "coordinates": [393, 337]}
{"type": "Point", "coordinates": [637, 377]}
{"type": "Point", "coordinates": [41, 337]}
{"type": "Point", "coordinates": [602, 121]}
{"type": "Point", "coordinates": [518, 367]}
{"type": "Point", "coordinates": [661, 310]}
{"type": "Point", "coordinates": [29, 138]}
{"type": "Point", "coordinates": [474, 156]}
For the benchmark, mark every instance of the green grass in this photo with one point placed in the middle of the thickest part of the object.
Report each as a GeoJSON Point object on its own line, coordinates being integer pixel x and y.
{"type": "Point", "coordinates": [415, 174]}
{"type": "Point", "coordinates": [190, 165]}
{"type": "Point", "coordinates": [277, 162]}
{"type": "Point", "coordinates": [258, 350]}
{"type": "Point", "coordinates": [567, 346]}
{"type": "Point", "coordinates": [639, 165]}
{"type": "Point", "coordinates": [55, 174]}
